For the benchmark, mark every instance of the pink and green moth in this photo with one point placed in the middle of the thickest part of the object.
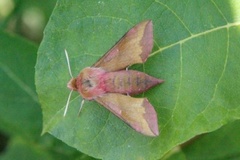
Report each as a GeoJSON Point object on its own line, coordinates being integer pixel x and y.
{"type": "Point", "coordinates": [110, 83]}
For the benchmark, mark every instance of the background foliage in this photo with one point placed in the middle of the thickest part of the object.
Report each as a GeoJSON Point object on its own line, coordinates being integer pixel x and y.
{"type": "Point", "coordinates": [196, 52]}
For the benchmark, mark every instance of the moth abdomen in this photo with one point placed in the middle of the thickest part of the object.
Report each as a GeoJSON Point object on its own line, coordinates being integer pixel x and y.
{"type": "Point", "coordinates": [128, 82]}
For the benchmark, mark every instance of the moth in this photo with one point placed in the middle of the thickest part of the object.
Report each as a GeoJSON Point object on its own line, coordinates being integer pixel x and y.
{"type": "Point", "coordinates": [111, 84]}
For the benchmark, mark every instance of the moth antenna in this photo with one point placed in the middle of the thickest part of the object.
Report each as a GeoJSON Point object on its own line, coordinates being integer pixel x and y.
{"type": "Point", "coordinates": [81, 107]}
{"type": "Point", "coordinates": [66, 107]}
{"type": "Point", "coordinates": [69, 67]}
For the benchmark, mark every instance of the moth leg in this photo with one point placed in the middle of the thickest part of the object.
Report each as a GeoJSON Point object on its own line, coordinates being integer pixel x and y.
{"type": "Point", "coordinates": [80, 107]}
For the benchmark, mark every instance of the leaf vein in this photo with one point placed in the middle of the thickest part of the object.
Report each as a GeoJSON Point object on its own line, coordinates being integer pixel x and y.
{"type": "Point", "coordinates": [219, 10]}
{"type": "Point", "coordinates": [222, 74]}
{"type": "Point", "coordinates": [195, 36]}
{"type": "Point", "coordinates": [176, 15]}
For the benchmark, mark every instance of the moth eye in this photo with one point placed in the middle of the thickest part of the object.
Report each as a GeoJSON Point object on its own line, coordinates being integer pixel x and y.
{"type": "Point", "coordinates": [87, 83]}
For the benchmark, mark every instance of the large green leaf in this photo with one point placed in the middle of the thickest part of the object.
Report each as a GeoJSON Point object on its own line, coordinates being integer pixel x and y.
{"type": "Point", "coordinates": [196, 52]}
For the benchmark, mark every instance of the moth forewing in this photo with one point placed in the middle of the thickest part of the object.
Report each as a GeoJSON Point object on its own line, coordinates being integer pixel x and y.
{"type": "Point", "coordinates": [134, 47]}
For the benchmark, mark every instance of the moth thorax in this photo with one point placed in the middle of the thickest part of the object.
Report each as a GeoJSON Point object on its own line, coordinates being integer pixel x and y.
{"type": "Point", "coordinates": [89, 82]}
{"type": "Point", "coordinates": [72, 84]}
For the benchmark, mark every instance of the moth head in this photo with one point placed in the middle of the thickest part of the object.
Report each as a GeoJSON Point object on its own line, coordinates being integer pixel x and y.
{"type": "Point", "coordinates": [72, 84]}
{"type": "Point", "coordinates": [87, 79]}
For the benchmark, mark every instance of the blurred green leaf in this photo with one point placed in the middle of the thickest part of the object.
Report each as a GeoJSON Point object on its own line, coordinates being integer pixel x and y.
{"type": "Point", "coordinates": [19, 102]}
{"type": "Point", "coordinates": [20, 113]}
{"type": "Point", "coordinates": [220, 144]}
{"type": "Point", "coordinates": [19, 149]}
{"type": "Point", "coordinates": [196, 52]}
{"type": "Point", "coordinates": [26, 17]}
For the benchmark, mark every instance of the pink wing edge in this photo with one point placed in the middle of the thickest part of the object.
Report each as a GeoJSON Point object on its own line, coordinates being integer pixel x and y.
{"type": "Point", "coordinates": [151, 117]}
{"type": "Point", "coordinates": [147, 41]}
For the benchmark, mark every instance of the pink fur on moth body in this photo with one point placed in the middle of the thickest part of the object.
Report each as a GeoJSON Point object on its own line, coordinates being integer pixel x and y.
{"type": "Point", "coordinates": [110, 84]}
{"type": "Point", "coordinates": [93, 82]}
